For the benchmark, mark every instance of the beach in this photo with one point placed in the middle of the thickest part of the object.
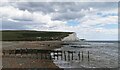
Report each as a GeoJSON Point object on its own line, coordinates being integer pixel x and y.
{"type": "Point", "coordinates": [101, 55]}
{"type": "Point", "coordinates": [28, 61]}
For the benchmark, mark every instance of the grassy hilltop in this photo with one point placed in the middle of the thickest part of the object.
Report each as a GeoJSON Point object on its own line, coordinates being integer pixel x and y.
{"type": "Point", "coordinates": [28, 35]}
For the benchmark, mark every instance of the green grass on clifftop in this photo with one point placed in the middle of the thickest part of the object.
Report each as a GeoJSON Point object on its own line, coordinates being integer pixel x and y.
{"type": "Point", "coordinates": [27, 35]}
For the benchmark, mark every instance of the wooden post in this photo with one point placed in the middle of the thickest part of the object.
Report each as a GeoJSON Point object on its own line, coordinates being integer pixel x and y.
{"type": "Point", "coordinates": [21, 51]}
{"type": "Point", "coordinates": [50, 56]}
{"type": "Point", "coordinates": [68, 56]}
{"type": "Point", "coordinates": [44, 55]}
{"type": "Point", "coordinates": [57, 55]}
{"type": "Point", "coordinates": [41, 55]}
{"type": "Point", "coordinates": [37, 54]}
{"type": "Point", "coordinates": [88, 56]}
{"type": "Point", "coordinates": [15, 52]}
{"type": "Point", "coordinates": [79, 55]}
{"type": "Point", "coordinates": [64, 55]}
{"type": "Point", "coordinates": [72, 55]}
{"type": "Point", "coordinates": [35, 51]}
{"type": "Point", "coordinates": [53, 55]}
{"type": "Point", "coordinates": [61, 55]}
{"type": "Point", "coordinates": [3, 52]}
{"type": "Point", "coordinates": [26, 50]}
{"type": "Point", "coordinates": [82, 55]}
{"type": "Point", "coordinates": [9, 52]}
{"type": "Point", "coordinates": [47, 56]}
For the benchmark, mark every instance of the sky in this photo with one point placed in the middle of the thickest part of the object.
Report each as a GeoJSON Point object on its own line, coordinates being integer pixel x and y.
{"type": "Point", "coordinates": [90, 20]}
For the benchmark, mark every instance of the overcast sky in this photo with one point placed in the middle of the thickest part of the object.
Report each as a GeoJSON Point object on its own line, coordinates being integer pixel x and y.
{"type": "Point", "coordinates": [90, 20]}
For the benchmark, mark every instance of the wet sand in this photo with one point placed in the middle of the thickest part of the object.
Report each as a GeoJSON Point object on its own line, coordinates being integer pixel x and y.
{"type": "Point", "coordinates": [25, 61]}
{"type": "Point", "coordinates": [47, 45]}
{"type": "Point", "coordinates": [22, 62]}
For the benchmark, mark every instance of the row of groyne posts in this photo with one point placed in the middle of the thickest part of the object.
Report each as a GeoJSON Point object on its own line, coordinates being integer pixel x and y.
{"type": "Point", "coordinates": [49, 54]}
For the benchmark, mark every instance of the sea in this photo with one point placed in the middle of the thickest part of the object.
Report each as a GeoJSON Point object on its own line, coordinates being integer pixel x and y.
{"type": "Point", "coordinates": [102, 54]}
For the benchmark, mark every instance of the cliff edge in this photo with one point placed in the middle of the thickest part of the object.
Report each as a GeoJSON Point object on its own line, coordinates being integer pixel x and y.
{"type": "Point", "coordinates": [71, 37]}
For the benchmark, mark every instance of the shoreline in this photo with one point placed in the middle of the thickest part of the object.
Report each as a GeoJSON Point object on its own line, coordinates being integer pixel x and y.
{"type": "Point", "coordinates": [15, 62]}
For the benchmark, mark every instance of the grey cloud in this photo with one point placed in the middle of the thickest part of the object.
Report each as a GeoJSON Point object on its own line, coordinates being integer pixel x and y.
{"type": "Point", "coordinates": [66, 10]}
{"type": "Point", "coordinates": [35, 6]}
{"type": "Point", "coordinates": [67, 16]}
{"type": "Point", "coordinates": [19, 19]}
{"type": "Point", "coordinates": [49, 7]}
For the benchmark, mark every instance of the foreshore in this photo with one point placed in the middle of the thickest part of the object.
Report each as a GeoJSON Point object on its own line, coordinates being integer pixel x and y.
{"type": "Point", "coordinates": [26, 61]}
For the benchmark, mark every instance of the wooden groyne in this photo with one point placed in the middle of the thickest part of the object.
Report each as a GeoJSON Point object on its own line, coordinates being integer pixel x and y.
{"type": "Point", "coordinates": [49, 54]}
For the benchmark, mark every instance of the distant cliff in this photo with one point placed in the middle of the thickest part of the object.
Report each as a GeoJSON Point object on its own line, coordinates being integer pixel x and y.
{"type": "Point", "coordinates": [71, 37]}
{"type": "Point", "coordinates": [29, 35]}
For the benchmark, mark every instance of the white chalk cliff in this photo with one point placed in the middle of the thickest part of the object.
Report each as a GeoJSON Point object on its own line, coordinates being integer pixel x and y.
{"type": "Point", "coordinates": [71, 37]}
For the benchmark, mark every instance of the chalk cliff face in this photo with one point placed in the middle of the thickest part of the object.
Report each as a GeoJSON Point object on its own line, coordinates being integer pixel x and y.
{"type": "Point", "coordinates": [71, 37]}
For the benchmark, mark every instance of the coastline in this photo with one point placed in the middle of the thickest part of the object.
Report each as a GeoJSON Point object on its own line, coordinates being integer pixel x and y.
{"type": "Point", "coordinates": [27, 62]}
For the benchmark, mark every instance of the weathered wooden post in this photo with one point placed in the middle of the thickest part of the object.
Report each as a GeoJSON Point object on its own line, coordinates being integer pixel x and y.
{"type": "Point", "coordinates": [30, 52]}
{"type": "Point", "coordinates": [57, 55]}
{"type": "Point", "coordinates": [45, 55]}
{"type": "Point", "coordinates": [79, 55]}
{"type": "Point", "coordinates": [49, 55]}
{"type": "Point", "coordinates": [21, 51]}
{"type": "Point", "coordinates": [88, 56]}
{"type": "Point", "coordinates": [9, 52]}
{"type": "Point", "coordinates": [35, 51]}
{"type": "Point", "coordinates": [15, 52]}
{"type": "Point", "coordinates": [26, 50]}
{"type": "Point", "coordinates": [64, 55]}
{"type": "Point", "coordinates": [72, 55]}
{"type": "Point", "coordinates": [37, 54]}
{"type": "Point", "coordinates": [61, 55]}
{"type": "Point", "coordinates": [53, 55]}
{"type": "Point", "coordinates": [68, 55]}
{"type": "Point", "coordinates": [41, 55]}
{"type": "Point", "coordinates": [3, 52]}
{"type": "Point", "coordinates": [82, 56]}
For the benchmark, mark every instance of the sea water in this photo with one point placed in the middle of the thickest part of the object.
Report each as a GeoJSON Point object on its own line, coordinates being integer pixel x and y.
{"type": "Point", "coordinates": [102, 55]}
